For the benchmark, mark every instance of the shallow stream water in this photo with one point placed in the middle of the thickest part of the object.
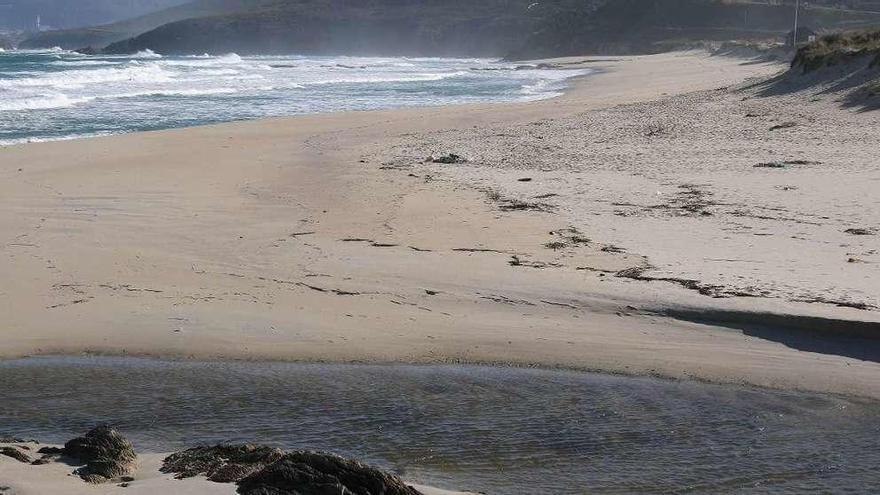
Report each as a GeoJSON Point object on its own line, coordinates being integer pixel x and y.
{"type": "Point", "coordinates": [494, 430]}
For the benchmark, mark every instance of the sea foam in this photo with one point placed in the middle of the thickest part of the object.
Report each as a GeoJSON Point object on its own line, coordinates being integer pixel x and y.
{"type": "Point", "coordinates": [42, 102]}
{"type": "Point", "coordinates": [53, 94]}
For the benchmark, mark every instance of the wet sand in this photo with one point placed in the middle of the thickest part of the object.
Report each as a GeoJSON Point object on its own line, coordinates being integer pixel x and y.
{"type": "Point", "coordinates": [323, 238]}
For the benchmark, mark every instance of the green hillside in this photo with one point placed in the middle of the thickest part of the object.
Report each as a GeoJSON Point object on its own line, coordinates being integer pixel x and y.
{"type": "Point", "coordinates": [513, 28]}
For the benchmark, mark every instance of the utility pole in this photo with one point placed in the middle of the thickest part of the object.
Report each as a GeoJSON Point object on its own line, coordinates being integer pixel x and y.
{"type": "Point", "coordinates": [797, 8]}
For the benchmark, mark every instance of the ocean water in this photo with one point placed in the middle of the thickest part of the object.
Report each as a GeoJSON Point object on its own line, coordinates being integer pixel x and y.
{"type": "Point", "coordinates": [493, 430]}
{"type": "Point", "coordinates": [55, 94]}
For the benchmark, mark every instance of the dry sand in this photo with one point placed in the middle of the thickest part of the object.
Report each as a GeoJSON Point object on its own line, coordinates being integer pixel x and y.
{"type": "Point", "coordinates": [323, 238]}
{"type": "Point", "coordinates": [17, 478]}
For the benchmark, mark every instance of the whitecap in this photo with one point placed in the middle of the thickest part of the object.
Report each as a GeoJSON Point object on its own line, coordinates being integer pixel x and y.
{"type": "Point", "coordinates": [172, 92]}
{"type": "Point", "coordinates": [230, 58]}
{"type": "Point", "coordinates": [149, 54]}
{"type": "Point", "coordinates": [84, 62]}
{"type": "Point", "coordinates": [129, 73]}
{"type": "Point", "coordinates": [551, 83]}
{"type": "Point", "coordinates": [199, 61]}
{"type": "Point", "coordinates": [538, 87]}
{"type": "Point", "coordinates": [217, 72]}
{"type": "Point", "coordinates": [424, 77]}
{"type": "Point", "coordinates": [41, 102]}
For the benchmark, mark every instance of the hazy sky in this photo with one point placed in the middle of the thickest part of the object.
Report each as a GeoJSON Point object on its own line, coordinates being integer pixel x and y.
{"type": "Point", "coordinates": [21, 14]}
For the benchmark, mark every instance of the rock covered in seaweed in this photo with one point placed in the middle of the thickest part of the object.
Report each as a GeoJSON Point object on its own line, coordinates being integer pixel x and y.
{"type": "Point", "coordinates": [107, 454]}
{"type": "Point", "coordinates": [15, 453]}
{"type": "Point", "coordinates": [449, 159]}
{"type": "Point", "coordinates": [13, 439]}
{"type": "Point", "coordinates": [260, 470]}
{"type": "Point", "coordinates": [221, 463]}
{"type": "Point", "coordinates": [319, 473]}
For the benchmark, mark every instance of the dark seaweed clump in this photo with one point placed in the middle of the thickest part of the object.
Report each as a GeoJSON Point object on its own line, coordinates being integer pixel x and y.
{"type": "Point", "coordinates": [106, 453]}
{"type": "Point", "coordinates": [260, 470]}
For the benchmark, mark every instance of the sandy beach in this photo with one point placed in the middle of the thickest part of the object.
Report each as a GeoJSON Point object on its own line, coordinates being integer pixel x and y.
{"type": "Point", "coordinates": [147, 478]}
{"type": "Point", "coordinates": [663, 217]}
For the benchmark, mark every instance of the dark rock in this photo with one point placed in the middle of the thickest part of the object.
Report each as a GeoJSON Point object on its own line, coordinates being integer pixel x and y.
{"type": "Point", "coordinates": [50, 450]}
{"type": "Point", "coordinates": [11, 439]}
{"type": "Point", "coordinates": [860, 231]}
{"type": "Point", "coordinates": [449, 159]}
{"type": "Point", "coordinates": [786, 163]}
{"type": "Point", "coordinates": [49, 454]}
{"type": "Point", "coordinates": [316, 473]}
{"type": "Point", "coordinates": [519, 205]}
{"type": "Point", "coordinates": [221, 463]}
{"type": "Point", "coordinates": [15, 454]}
{"type": "Point", "coordinates": [261, 470]}
{"type": "Point", "coordinates": [107, 454]}
{"type": "Point", "coordinates": [89, 50]}
{"type": "Point", "coordinates": [784, 125]}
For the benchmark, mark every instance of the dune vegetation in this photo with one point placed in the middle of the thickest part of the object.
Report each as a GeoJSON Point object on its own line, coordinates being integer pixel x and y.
{"type": "Point", "coordinates": [837, 48]}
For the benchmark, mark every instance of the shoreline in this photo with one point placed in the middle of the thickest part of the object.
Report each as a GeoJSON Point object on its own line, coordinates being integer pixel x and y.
{"type": "Point", "coordinates": [286, 239]}
{"type": "Point", "coordinates": [551, 84]}
{"type": "Point", "coordinates": [470, 365]}
{"type": "Point", "coordinates": [146, 477]}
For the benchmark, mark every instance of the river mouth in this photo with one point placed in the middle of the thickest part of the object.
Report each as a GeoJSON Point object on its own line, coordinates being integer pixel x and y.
{"type": "Point", "coordinates": [494, 430]}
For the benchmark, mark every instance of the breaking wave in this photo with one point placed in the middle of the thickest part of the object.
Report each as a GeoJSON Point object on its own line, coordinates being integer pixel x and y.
{"type": "Point", "coordinates": [52, 94]}
{"type": "Point", "coordinates": [146, 54]}
{"type": "Point", "coordinates": [130, 74]}
{"type": "Point", "coordinates": [43, 102]}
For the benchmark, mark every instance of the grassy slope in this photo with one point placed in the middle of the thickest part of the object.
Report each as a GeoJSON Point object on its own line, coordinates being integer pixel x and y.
{"type": "Point", "coordinates": [515, 28]}
{"type": "Point", "coordinates": [838, 48]}
{"type": "Point", "coordinates": [845, 65]}
{"type": "Point", "coordinates": [387, 27]}
{"type": "Point", "coordinates": [645, 26]}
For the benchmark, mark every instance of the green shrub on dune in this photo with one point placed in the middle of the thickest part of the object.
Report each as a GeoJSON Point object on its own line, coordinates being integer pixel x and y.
{"type": "Point", "coordinates": [837, 48]}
